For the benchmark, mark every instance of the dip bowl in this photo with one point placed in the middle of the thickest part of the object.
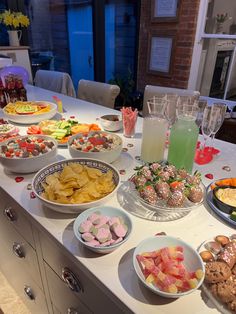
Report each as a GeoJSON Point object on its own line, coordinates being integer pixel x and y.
{"type": "Point", "coordinates": [221, 202]}
{"type": "Point", "coordinates": [111, 122]}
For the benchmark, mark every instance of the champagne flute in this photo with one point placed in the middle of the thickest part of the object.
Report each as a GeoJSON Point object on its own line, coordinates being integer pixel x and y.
{"type": "Point", "coordinates": [218, 111]}
{"type": "Point", "coordinates": [202, 105]}
{"type": "Point", "coordinates": [205, 126]}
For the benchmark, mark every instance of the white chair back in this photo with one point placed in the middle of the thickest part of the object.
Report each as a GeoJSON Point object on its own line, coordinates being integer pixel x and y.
{"type": "Point", "coordinates": [151, 90]}
{"type": "Point", "coordinates": [99, 93]}
{"type": "Point", "coordinates": [59, 82]}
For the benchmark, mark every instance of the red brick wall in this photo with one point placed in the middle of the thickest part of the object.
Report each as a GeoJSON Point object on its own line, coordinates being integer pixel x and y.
{"type": "Point", "coordinates": [184, 29]}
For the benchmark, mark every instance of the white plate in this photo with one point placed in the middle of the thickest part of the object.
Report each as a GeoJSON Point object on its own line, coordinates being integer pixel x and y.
{"type": "Point", "coordinates": [205, 287]}
{"type": "Point", "coordinates": [32, 118]}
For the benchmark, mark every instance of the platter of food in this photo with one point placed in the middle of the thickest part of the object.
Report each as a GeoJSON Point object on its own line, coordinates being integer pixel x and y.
{"type": "Point", "coordinates": [166, 190]}
{"type": "Point", "coordinates": [221, 197]}
{"type": "Point", "coordinates": [27, 112]}
{"type": "Point", "coordinates": [7, 130]}
{"type": "Point", "coordinates": [62, 129]}
{"type": "Point", "coordinates": [219, 256]}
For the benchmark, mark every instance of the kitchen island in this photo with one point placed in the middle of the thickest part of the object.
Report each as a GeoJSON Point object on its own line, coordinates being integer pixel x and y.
{"type": "Point", "coordinates": [53, 273]}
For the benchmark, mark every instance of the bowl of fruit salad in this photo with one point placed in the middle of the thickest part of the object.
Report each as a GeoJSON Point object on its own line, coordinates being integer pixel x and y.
{"type": "Point", "coordinates": [168, 266]}
{"type": "Point", "coordinates": [27, 154]}
{"type": "Point", "coordinates": [100, 145]}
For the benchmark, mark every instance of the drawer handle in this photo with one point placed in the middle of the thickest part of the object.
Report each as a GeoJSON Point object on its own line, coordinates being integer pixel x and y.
{"type": "Point", "coordinates": [18, 250]}
{"type": "Point", "coordinates": [70, 279]}
{"type": "Point", "coordinates": [9, 214]}
{"type": "Point", "coordinates": [71, 310]}
{"type": "Point", "coordinates": [28, 291]}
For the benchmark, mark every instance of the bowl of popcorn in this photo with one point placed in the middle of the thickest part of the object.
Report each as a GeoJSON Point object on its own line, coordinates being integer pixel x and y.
{"type": "Point", "coordinates": [111, 122]}
{"type": "Point", "coordinates": [102, 229]}
{"type": "Point", "coordinates": [96, 144]}
{"type": "Point", "coordinates": [168, 266]}
{"type": "Point", "coordinates": [73, 185]}
{"type": "Point", "coordinates": [27, 154]}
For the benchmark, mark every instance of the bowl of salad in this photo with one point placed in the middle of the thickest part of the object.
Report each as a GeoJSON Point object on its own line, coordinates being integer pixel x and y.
{"type": "Point", "coordinates": [100, 145]}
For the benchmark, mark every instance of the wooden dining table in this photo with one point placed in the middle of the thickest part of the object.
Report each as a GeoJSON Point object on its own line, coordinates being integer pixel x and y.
{"type": "Point", "coordinates": [114, 273]}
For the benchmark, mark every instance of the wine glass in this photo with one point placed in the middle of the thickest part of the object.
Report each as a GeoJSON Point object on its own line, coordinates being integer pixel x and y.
{"type": "Point", "coordinates": [202, 105]}
{"type": "Point", "coordinates": [205, 126]}
{"type": "Point", "coordinates": [218, 111]}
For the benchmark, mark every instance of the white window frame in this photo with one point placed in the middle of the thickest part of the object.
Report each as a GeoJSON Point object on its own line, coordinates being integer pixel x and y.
{"type": "Point", "coordinates": [198, 44]}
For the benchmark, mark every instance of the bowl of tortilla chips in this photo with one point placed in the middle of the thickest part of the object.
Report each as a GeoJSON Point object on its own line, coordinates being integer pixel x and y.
{"type": "Point", "coordinates": [72, 185]}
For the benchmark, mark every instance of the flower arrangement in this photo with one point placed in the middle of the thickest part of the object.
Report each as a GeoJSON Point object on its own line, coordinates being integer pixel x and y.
{"type": "Point", "coordinates": [14, 20]}
{"type": "Point", "coordinates": [221, 18]}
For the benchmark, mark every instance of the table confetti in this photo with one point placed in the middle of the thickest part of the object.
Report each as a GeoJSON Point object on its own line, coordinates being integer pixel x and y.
{"type": "Point", "coordinates": [29, 186]}
{"type": "Point", "coordinates": [137, 158]}
{"type": "Point", "coordinates": [226, 168]}
{"type": "Point", "coordinates": [130, 145]}
{"type": "Point", "coordinates": [19, 179]}
{"type": "Point", "coordinates": [124, 149]}
{"type": "Point", "coordinates": [32, 195]}
{"type": "Point", "coordinates": [122, 171]}
{"type": "Point", "coordinates": [209, 176]}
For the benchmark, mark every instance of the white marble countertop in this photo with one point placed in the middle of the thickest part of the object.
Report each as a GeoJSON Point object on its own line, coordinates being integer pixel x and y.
{"type": "Point", "coordinates": [115, 270]}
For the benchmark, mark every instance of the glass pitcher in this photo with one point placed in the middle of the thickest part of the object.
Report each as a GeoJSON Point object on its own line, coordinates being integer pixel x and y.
{"type": "Point", "coordinates": [183, 136]}
{"type": "Point", "coordinates": [155, 127]}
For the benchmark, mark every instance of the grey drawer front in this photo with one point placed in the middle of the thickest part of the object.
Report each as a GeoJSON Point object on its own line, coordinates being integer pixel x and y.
{"type": "Point", "coordinates": [12, 213]}
{"type": "Point", "coordinates": [21, 280]}
{"type": "Point", "coordinates": [62, 297]}
{"type": "Point", "coordinates": [20, 251]}
{"type": "Point", "coordinates": [92, 296]}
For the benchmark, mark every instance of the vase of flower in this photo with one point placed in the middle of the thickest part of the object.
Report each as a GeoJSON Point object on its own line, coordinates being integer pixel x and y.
{"type": "Point", "coordinates": [219, 28]}
{"type": "Point", "coordinates": [220, 19]}
{"type": "Point", "coordinates": [14, 21]}
{"type": "Point", "coordinates": [14, 37]}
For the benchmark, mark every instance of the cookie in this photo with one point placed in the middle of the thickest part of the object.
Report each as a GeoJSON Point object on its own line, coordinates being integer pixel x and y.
{"type": "Point", "coordinates": [216, 272]}
{"type": "Point", "coordinates": [226, 291]}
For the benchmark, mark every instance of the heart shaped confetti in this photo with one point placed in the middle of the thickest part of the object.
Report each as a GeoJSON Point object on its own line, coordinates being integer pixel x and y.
{"type": "Point", "coordinates": [209, 176]}
{"type": "Point", "coordinates": [226, 168]}
{"type": "Point", "coordinates": [19, 179]}
{"type": "Point", "coordinates": [72, 117]}
{"type": "Point", "coordinates": [32, 195]}
{"type": "Point", "coordinates": [122, 171]}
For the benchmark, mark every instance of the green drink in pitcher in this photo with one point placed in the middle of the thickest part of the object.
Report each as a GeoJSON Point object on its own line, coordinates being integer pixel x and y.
{"type": "Point", "coordinates": [183, 141]}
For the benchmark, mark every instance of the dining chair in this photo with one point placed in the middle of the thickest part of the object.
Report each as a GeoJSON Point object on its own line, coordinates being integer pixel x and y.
{"type": "Point", "coordinates": [99, 93]}
{"type": "Point", "coordinates": [151, 90]}
{"type": "Point", "coordinates": [55, 81]}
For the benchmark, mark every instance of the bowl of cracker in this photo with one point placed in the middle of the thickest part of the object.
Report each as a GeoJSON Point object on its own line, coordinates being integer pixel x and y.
{"type": "Point", "coordinates": [72, 185]}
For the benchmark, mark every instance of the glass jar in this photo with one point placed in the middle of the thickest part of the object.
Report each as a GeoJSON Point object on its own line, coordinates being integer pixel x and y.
{"type": "Point", "coordinates": [183, 138]}
{"type": "Point", "coordinates": [155, 127]}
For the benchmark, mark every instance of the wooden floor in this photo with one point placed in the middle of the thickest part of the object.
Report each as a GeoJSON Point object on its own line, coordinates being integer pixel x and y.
{"type": "Point", "coordinates": [10, 303]}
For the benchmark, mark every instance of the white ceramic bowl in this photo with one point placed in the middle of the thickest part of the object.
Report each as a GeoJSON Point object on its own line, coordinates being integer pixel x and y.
{"type": "Point", "coordinates": [40, 177]}
{"type": "Point", "coordinates": [29, 164]}
{"type": "Point", "coordinates": [32, 118]}
{"type": "Point", "coordinates": [192, 260]}
{"type": "Point", "coordinates": [108, 156]}
{"type": "Point", "coordinates": [107, 211]}
{"type": "Point", "coordinates": [111, 122]}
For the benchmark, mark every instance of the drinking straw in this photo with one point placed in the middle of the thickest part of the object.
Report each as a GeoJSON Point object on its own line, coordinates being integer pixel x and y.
{"type": "Point", "coordinates": [129, 119]}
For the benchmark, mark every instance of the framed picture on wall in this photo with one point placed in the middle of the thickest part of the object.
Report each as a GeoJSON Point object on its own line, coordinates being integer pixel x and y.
{"type": "Point", "coordinates": [160, 53]}
{"type": "Point", "coordinates": [164, 10]}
